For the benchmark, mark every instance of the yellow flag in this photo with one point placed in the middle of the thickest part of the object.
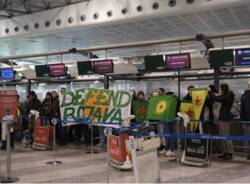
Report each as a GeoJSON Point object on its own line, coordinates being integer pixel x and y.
{"type": "Point", "coordinates": [199, 96]}
{"type": "Point", "coordinates": [187, 107]}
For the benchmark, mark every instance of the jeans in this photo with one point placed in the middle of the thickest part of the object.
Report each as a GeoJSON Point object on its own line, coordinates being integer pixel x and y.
{"type": "Point", "coordinates": [171, 143]}
{"type": "Point", "coordinates": [160, 130]}
{"type": "Point", "coordinates": [102, 136]}
{"type": "Point", "coordinates": [224, 130]}
{"type": "Point", "coordinates": [247, 133]}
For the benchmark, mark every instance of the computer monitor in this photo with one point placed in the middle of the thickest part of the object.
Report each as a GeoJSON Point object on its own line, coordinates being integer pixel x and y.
{"type": "Point", "coordinates": [242, 57]}
{"type": "Point", "coordinates": [154, 63]}
{"type": "Point", "coordinates": [85, 67]}
{"type": "Point", "coordinates": [42, 71]}
{"type": "Point", "coordinates": [221, 58]}
{"type": "Point", "coordinates": [103, 66]}
{"type": "Point", "coordinates": [57, 70]}
{"type": "Point", "coordinates": [178, 61]}
{"type": "Point", "coordinates": [7, 73]}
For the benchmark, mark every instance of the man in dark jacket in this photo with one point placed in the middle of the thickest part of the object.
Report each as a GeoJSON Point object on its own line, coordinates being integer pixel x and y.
{"type": "Point", "coordinates": [33, 104]}
{"type": "Point", "coordinates": [245, 110]}
{"type": "Point", "coordinates": [226, 99]}
{"type": "Point", "coordinates": [188, 96]}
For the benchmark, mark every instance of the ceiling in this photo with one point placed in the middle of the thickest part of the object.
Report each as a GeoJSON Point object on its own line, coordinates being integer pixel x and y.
{"type": "Point", "coordinates": [208, 21]}
{"type": "Point", "coordinates": [13, 8]}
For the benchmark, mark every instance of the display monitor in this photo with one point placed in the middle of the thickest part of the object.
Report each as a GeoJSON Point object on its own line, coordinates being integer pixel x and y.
{"type": "Point", "coordinates": [221, 58]}
{"type": "Point", "coordinates": [103, 66]}
{"type": "Point", "coordinates": [178, 61]}
{"type": "Point", "coordinates": [85, 67]}
{"type": "Point", "coordinates": [242, 57]}
{"type": "Point", "coordinates": [7, 73]}
{"type": "Point", "coordinates": [42, 71]}
{"type": "Point", "coordinates": [154, 63]}
{"type": "Point", "coordinates": [57, 70]}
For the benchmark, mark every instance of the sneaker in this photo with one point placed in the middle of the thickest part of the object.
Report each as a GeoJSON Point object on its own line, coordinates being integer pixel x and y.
{"type": "Point", "coordinates": [173, 154]}
{"type": "Point", "coordinates": [100, 145]}
{"type": "Point", "coordinates": [162, 152]}
{"type": "Point", "coordinates": [168, 153]}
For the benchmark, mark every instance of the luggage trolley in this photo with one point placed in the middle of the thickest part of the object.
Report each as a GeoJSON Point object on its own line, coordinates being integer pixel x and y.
{"type": "Point", "coordinates": [197, 152]}
{"type": "Point", "coordinates": [43, 135]}
{"type": "Point", "coordinates": [145, 159]}
{"type": "Point", "coordinates": [118, 156]}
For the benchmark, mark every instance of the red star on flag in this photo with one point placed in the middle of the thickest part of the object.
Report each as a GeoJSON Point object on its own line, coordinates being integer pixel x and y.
{"type": "Point", "coordinates": [197, 101]}
{"type": "Point", "coordinates": [189, 112]}
{"type": "Point", "coordinates": [142, 110]}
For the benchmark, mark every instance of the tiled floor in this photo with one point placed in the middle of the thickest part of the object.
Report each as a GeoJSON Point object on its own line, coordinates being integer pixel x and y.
{"type": "Point", "coordinates": [79, 167]}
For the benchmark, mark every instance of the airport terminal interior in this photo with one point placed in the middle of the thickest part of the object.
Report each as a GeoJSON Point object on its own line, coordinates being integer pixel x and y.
{"type": "Point", "coordinates": [124, 91]}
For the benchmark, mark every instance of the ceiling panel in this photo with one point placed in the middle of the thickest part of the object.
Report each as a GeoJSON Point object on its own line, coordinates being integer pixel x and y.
{"type": "Point", "coordinates": [161, 27]}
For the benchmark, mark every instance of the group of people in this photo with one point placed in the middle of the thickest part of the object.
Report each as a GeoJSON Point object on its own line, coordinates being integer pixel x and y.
{"type": "Point", "coordinates": [48, 109]}
{"type": "Point", "coordinates": [217, 112]}
{"type": "Point", "coordinates": [221, 98]}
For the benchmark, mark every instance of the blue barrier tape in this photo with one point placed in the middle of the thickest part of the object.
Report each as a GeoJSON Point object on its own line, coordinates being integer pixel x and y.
{"type": "Point", "coordinates": [198, 136]}
{"type": "Point", "coordinates": [77, 121]}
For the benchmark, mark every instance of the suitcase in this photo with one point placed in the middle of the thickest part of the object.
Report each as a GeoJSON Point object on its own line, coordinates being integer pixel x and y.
{"type": "Point", "coordinates": [43, 138]}
{"type": "Point", "coordinates": [117, 148]}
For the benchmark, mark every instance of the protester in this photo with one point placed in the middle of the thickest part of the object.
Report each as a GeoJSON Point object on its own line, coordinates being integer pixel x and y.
{"type": "Point", "coordinates": [133, 94]}
{"type": "Point", "coordinates": [188, 96]}
{"type": "Point", "coordinates": [226, 99]}
{"type": "Point", "coordinates": [140, 96]}
{"type": "Point", "coordinates": [160, 126]}
{"type": "Point", "coordinates": [245, 112]}
{"type": "Point", "coordinates": [161, 92]}
{"type": "Point", "coordinates": [34, 104]}
{"type": "Point", "coordinates": [18, 123]}
{"type": "Point", "coordinates": [47, 109]}
{"type": "Point", "coordinates": [210, 118]}
{"type": "Point", "coordinates": [55, 105]}
{"type": "Point", "coordinates": [170, 128]}
{"type": "Point", "coordinates": [25, 114]}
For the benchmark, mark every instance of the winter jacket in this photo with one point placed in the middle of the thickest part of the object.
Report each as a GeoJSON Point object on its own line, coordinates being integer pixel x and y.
{"type": "Point", "coordinates": [226, 101]}
{"type": "Point", "coordinates": [34, 104]}
{"type": "Point", "coordinates": [187, 98]}
{"type": "Point", "coordinates": [46, 108]}
{"type": "Point", "coordinates": [56, 108]}
{"type": "Point", "coordinates": [245, 106]}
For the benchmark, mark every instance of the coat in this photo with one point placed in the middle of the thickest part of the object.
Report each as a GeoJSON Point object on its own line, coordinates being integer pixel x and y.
{"type": "Point", "coordinates": [245, 106]}
{"type": "Point", "coordinates": [226, 101]}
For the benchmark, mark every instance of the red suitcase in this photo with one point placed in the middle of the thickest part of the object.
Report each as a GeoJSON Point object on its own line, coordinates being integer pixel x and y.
{"type": "Point", "coordinates": [117, 148]}
{"type": "Point", "coordinates": [43, 137]}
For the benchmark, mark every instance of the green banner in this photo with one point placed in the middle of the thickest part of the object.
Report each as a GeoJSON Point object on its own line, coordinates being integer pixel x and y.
{"type": "Point", "coordinates": [95, 105]}
{"type": "Point", "coordinates": [139, 110]}
{"type": "Point", "coordinates": [162, 108]}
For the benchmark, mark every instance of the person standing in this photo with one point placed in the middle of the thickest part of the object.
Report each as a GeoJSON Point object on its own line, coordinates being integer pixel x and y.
{"type": "Point", "coordinates": [245, 111]}
{"type": "Point", "coordinates": [25, 114]}
{"type": "Point", "coordinates": [140, 96]}
{"type": "Point", "coordinates": [160, 126]}
{"type": "Point", "coordinates": [188, 96]}
{"type": "Point", "coordinates": [33, 104]}
{"type": "Point", "coordinates": [47, 109]}
{"type": "Point", "coordinates": [226, 99]}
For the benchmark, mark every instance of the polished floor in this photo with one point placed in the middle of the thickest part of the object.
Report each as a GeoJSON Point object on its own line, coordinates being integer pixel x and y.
{"type": "Point", "coordinates": [80, 167]}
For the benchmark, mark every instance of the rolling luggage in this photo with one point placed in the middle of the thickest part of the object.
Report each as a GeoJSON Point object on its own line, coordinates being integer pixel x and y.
{"type": "Point", "coordinates": [43, 136]}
